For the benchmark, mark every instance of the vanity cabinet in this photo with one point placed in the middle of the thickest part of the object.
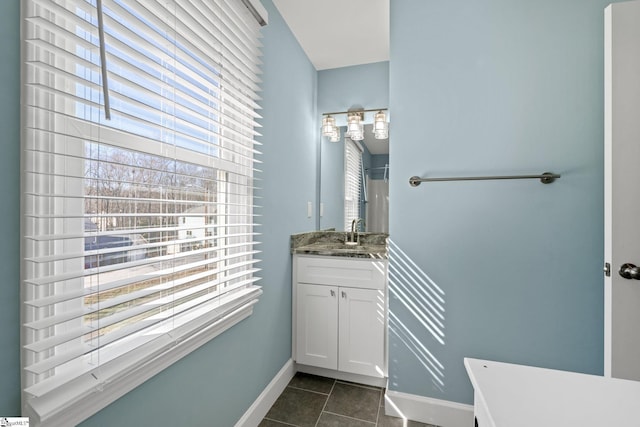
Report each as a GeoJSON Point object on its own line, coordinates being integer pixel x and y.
{"type": "Point", "coordinates": [340, 314]}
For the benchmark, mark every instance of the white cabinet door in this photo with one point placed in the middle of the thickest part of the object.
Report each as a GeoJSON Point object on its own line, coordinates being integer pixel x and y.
{"type": "Point", "coordinates": [361, 331]}
{"type": "Point", "coordinates": [317, 325]}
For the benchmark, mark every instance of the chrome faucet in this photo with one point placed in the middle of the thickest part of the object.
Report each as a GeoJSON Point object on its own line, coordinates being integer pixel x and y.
{"type": "Point", "coordinates": [354, 229]}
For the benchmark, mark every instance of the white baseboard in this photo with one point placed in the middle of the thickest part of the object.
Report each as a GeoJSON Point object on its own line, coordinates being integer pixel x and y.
{"type": "Point", "coordinates": [267, 398]}
{"type": "Point", "coordinates": [427, 410]}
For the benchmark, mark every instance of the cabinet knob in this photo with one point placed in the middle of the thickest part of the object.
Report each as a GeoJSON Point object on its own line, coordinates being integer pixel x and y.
{"type": "Point", "coordinates": [344, 294]}
{"type": "Point", "coordinates": [333, 293]}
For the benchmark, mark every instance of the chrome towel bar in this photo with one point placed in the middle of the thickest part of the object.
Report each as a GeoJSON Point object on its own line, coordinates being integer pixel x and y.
{"type": "Point", "coordinates": [545, 178]}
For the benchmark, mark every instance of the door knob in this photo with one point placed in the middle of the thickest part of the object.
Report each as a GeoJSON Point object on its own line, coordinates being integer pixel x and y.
{"type": "Point", "coordinates": [629, 271]}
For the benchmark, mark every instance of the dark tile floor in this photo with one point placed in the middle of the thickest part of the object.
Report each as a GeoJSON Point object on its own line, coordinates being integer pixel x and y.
{"type": "Point", "coordinates": [312, 401]}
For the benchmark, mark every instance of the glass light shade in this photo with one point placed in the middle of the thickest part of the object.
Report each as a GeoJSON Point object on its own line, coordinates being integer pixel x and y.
{"type": "Point", "coordinates": [356, 136]}
{"type": "Point", "coordinates": [380, 121]}
{"type": "Point", "coordinates": [354, 124]}
{"type": "Point", "coordinates": [355, 128]}
{"type": "Point", "coordinates": [328, 125]}
{"type": "Point", "coordinates": [381, 133]}
{"type": "Point", "coordinates": [335, 136]}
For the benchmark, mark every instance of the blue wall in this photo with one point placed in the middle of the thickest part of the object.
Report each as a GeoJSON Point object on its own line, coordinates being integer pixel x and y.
{"type": "Point", "coordinates": [365, 86]}
{"type": "Point", "coordinates": [505, 270]}
{"type": "Point", "coordinates": [361, 86]}
{"type": "Point", "coordinates": [216, 384]}
{"type": "Point", "coordinates": [10, 208]}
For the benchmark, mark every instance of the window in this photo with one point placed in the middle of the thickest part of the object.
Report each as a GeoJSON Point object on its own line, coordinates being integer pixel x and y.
{"type": "Point", "coordinates": [352, 181]}
{"type": "Point", "coordinates": [139, 241]}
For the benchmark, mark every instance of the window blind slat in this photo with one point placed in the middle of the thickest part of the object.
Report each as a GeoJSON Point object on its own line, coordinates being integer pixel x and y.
{"type": "Point", "coordinates": [352, 182]}
{"type": "Point", "coordinates": [222, 31]}
{"type": "Point", "coordinates": [248, 28]}
{"type": "Point", "coordinates": [207, 141]}
{"type": "Point", "coordinates": [100, 287]}
{"type": "Point", "coordinates": [236, 67]}
{"type": "Point", "coordinates": [75, 274]}
{"type": "Point", "coordinates": [58, 339]}
{"type": "Point", "coordinates": [210, 154]}
{"type": "Point", "coordinates": [58, 18]}
{"type": "Point", "coordinates": [139, 353]}
{"type": "Point", "coordinates": [199, 76]}
{"type": "Point", "coordinates": [231, 48]}
{"type": "Point", "coordinates": [135, 311]}
{"type": "Point", "coordinates": [107, 285]}
{"type": "Point", "coordinates": [192, 42]}
{"type": "Point", "coordinates": [152, 246]}
{"type": "Point", "coordinates": [52, 237]}
{"type": "Point", "coordinates": [141, 325]}
{"type": "Point", "coordinates": [154, 40]}
{"type": "Point", "coordinates": [195, 111]}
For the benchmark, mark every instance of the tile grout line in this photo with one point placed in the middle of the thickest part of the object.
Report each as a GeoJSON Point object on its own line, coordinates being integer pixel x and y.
{"type": "Point", "coordinates": [328, 395]}
{"type": "Point", "coordinates": [306, 390]}
{"type": "Point", "coordinates": [368, 387]}
{"type": "Point", "coordinates": [310, 391]}
{"type": "Point", "coordinates": [352, 418]}
{"type": "Point", "coordinates": [280, 422]}
{"type": "Point", "coordinates": [379, 407]}
{"type": "Point", "coordinates": [326, 401]}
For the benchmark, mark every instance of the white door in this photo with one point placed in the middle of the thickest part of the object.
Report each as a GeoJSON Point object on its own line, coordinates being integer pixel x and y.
{"type": "Point", "coordinates": [622, 189]}
{"type": "Point", "coordinates": [361, 331]}
{"type": "Point", "coordinates": [317, 325]}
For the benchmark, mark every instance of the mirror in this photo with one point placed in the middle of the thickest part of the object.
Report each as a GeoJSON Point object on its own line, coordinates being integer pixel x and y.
{"type": "Point", "coordinates": [373, 176]}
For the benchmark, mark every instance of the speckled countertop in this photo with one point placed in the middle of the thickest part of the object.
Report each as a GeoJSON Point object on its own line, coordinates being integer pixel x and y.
{"type": "Point", "coordinates": [332, 243]}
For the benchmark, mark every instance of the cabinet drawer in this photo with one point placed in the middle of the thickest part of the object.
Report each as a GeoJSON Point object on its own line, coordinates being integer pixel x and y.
{"type": "Point", "coordinates": [352, 272]}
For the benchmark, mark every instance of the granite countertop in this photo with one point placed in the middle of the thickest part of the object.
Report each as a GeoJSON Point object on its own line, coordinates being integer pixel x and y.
{"type": "Point", "coordinates": [332, 243]}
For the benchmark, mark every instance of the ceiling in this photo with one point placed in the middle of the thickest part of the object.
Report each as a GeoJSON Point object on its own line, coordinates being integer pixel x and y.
{"type": "Point", "coordinates": [339, 33]}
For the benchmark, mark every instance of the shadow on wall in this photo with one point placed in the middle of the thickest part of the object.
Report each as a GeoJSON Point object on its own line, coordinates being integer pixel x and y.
{"type": "Point", "coordinates": [421, 302]}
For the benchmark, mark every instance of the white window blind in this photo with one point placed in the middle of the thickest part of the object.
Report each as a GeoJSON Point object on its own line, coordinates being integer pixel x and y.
{"type": "Point", "coordinates": [352, 182]}
{"type": "Point", "coordinates": [139, 241]}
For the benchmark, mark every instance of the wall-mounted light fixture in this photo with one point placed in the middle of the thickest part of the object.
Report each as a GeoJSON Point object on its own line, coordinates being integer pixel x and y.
{"type": "Point", "coordinates": [355, 125]}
